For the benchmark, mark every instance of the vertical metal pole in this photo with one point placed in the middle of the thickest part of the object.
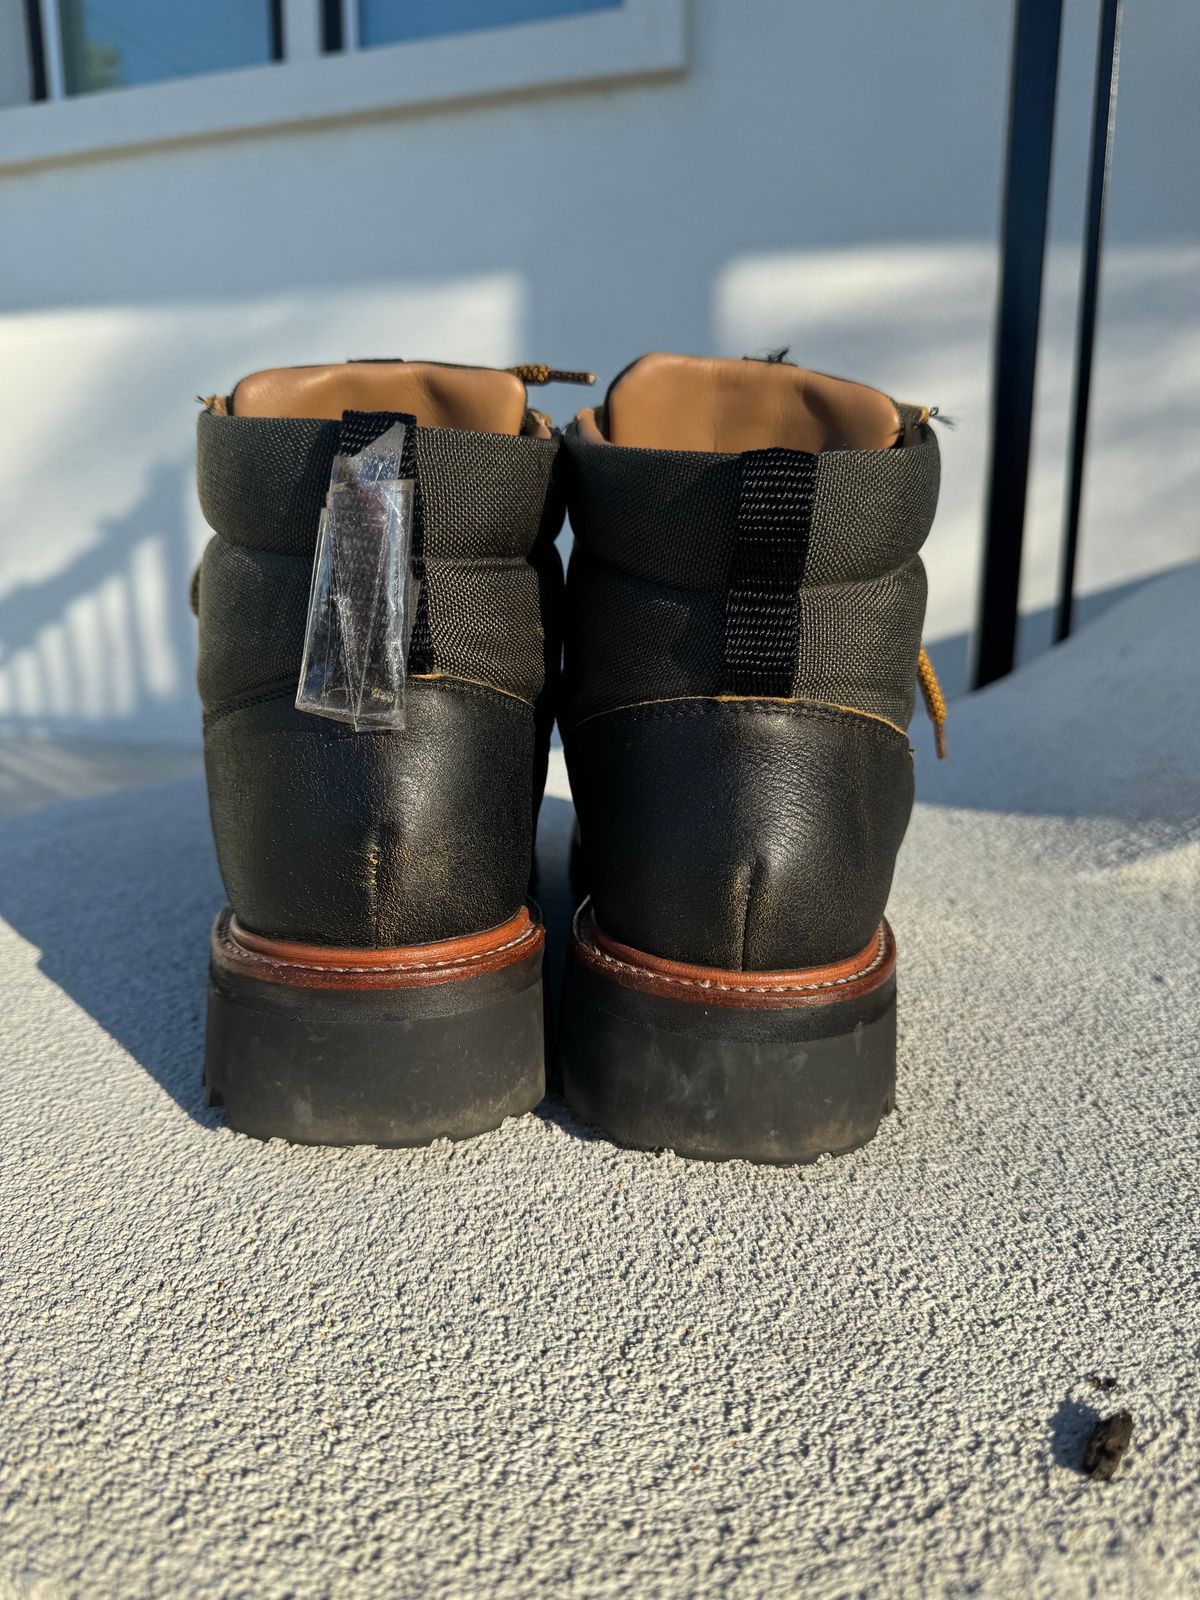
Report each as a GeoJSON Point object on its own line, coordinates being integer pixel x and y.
{"type": "Point", "coordinates": [277, 32]}
{"type": "Point", "coordinates": [1104, 122]}
{"type": "Point", "coordinates": [1023, 246]}
{"type": "Point", "coordinates": [351, 32]}
{"type": "Point", "coordinates": [37, 50]}
{"type": "Point", "coordinates": [52, 50]}
{"type": "Point", "coordinates": [332, 30]}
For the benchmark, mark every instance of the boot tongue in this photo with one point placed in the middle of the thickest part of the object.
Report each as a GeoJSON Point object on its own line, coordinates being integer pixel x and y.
{"type": "Point", "coordinates": [476, 399]}
{"type": "Point", "coordinates": [668, 402]}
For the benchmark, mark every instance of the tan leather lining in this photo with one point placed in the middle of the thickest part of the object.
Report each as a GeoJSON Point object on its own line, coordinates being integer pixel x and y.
{"type": "Point", "coordinates": [475, 399]}
{"type": "Point", "coordinates": [592, 425]}
{"type": "Point", "coordinates": [806, 986]}
{"type": "Point", "coordinates": [406, 966]}
{"type": "Point", "coordinates": [670, 402]}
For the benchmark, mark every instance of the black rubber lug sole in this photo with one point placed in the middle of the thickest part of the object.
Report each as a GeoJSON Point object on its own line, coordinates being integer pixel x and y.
{"type": "Point", "coordinates": [779, 1086]}
{"type": "Point", "coordinates": [375, 1066]}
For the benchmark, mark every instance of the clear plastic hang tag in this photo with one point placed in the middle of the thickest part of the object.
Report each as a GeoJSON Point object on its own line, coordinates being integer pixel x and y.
{"type": "Point", "coordinates": [359, 612]}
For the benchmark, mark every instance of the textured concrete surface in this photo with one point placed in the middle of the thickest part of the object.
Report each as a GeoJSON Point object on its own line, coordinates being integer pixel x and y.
{"type": "Point", "coordinates": [37, 772]}
{"type": "Point", "coordinates": [540, 1365]}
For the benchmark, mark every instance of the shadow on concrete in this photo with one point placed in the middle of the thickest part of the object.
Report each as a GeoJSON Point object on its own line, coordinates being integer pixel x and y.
{"type": "Point", "coordinates": [1101, 727]}
{"type": "Point", "coordinates": [555, 831]}
{"type": "Point", "coordinates": [951, 656]}
{"type": "Point", "coordinates": [1070, 1428]}
{"type": "Point", "coordinates": [117, 893]}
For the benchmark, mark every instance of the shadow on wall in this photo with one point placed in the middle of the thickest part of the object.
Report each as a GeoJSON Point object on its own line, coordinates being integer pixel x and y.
{"type": "Point", "coordinates": [108, 639]}
{"type": "Point", "coordinates": [95, 632]}
{"type": "Point", "coordinates": [516, 243]}
{"type": "Point", "coordinates": [106, 643]}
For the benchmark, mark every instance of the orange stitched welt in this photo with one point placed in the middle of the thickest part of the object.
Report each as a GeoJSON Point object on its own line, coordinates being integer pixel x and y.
{"type": "Point", "coordinates": [730, 988]}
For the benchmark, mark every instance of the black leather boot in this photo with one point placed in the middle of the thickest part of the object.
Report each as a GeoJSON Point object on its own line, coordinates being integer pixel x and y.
{"type": "Point", "coordinates": [744, 610]}
{"type": "Point", "coordinates": [376, 976]}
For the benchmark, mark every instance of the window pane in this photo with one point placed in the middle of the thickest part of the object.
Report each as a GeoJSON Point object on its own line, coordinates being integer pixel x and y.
{"type": "Point", "coordinates": [392, 21]}
{"type": "Point", "coordinates": [122, 42]}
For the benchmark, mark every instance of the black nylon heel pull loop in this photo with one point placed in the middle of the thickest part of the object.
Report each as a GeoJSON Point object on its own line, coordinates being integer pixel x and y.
{"type": "Point", "coordinates": [358, 429]}
{"type": "Point", "coordinates": [774, 517]}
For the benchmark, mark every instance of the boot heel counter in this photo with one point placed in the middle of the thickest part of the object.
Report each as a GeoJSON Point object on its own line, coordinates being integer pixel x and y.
{"type": "Point", "coordinates": [374, 839]}
{"type": "Point", "coordinates": [744, 834]}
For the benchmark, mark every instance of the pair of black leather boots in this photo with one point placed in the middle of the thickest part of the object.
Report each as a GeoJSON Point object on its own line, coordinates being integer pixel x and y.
{"type": "Point", "coordinates": [741, 623]}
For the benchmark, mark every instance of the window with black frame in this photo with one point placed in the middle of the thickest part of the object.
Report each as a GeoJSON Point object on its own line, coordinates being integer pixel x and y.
{"type": "Point", "coordinates": [364, 24]}
{"type": "Point", "coordinates": [83, 47]}
{"type": "Point", "coordinates": [79, 47]}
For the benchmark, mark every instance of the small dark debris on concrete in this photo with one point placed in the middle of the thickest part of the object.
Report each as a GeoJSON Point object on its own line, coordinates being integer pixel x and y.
{"type": "Point", "coordinates": [1097, 1382]}
{"type": "Point", "coordinates": [1108, 1443]}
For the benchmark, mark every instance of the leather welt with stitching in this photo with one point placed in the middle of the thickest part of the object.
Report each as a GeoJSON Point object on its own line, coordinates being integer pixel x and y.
{"type": "Point", "coordinates": [236, 950]}
{"type": "Point", "coordinates": [850, 979]}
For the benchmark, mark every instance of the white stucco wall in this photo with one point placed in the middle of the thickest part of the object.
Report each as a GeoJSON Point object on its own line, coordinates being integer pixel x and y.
{"type": "Point", "coordinates": [14, 54]}
{"type": "Point", "coordinates": [820, 176]}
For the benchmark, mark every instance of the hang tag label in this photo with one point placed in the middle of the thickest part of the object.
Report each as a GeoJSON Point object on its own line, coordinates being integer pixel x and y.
{"type": "Point", "coordinates": [360, 608]}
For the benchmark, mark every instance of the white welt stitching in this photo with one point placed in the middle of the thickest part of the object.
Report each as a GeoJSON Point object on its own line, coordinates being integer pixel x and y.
{"type": "Point", "coordinates": [733, 988]}
{"type": "Point", "coordinates": [405, 966]}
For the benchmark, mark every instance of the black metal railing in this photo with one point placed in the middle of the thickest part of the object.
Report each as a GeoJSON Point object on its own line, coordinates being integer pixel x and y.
{"type": "Point", "coordinates": [1037, 33]}
{"type": "Point", "coordinates": [38, 87]}
{"type": "Point", "coordinates": [1104, 119]}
